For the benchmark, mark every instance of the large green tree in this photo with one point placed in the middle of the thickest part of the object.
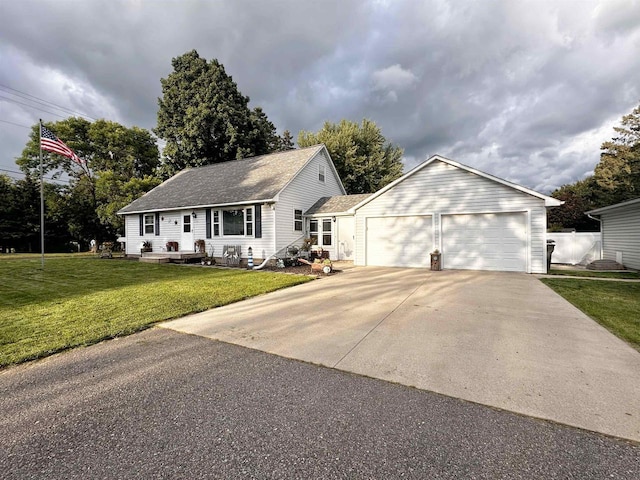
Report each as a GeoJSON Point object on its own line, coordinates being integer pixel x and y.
{"type": "Point", "coordinates": [618, 173]}
{"type": "Point", "coordinates": [578, 198]}
{"type": "Point", "coordinates": [363, 158]}
{"type": "Point", "coordinates": [20, 216]}
{"type": "Point", "coordinates": [109, 150]}
{"type": "Point", "coordinates": [616, 178]}
{"type": "Point", "coordinates": [205, 119]}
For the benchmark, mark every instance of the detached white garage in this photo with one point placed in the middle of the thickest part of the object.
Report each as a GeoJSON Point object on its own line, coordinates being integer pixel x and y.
{"type": "Point", "coordinates": [476, 220]}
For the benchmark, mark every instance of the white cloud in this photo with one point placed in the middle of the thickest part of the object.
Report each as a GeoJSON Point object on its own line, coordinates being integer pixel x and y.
{"type": "Point", "coordinates": [393, 78]}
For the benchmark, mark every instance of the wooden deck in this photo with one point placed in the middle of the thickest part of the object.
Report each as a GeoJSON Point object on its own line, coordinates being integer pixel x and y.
{"type": "Point", "coordinates": [173, 257]}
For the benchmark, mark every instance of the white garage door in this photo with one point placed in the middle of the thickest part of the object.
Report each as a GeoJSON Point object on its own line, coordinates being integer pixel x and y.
{"type": "Point", "coordinates": [399, 241]}
{"type": "Point", "coordinates": [494, 241]}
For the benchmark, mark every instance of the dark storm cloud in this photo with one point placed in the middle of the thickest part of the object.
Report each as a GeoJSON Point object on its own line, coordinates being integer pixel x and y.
{"type": "Point", "coordinates": [524, 90]}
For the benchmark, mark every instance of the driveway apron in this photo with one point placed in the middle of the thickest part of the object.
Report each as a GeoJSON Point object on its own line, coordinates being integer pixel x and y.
{"type": "Point", "coordinates": [499, 339]}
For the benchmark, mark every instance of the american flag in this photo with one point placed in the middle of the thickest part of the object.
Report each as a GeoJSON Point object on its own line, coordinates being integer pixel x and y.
{"type": "Point", "coordinates": [51, 143]}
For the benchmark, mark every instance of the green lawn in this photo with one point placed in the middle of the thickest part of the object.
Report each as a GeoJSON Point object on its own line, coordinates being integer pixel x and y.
{"type": "Point", "coordinates": [615, 305]}
{"type": "Point", "coordinates": [80, 300]}
{"type": "Point", "coordinates": [596, 274]}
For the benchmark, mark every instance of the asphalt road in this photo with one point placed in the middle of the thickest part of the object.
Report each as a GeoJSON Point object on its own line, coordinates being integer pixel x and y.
{"type": "Point", "coordinates": [161, 404]}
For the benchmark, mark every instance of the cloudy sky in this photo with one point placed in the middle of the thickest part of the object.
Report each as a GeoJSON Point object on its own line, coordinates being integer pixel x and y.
{"type": "Point", "coordinates": [525, 90]}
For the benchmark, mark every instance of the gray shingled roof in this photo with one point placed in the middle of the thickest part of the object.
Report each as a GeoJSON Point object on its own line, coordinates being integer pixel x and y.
{"type": "Point", "coordinates": [337, 204]}
{"type": "Point", "coordinates": [247, 180]}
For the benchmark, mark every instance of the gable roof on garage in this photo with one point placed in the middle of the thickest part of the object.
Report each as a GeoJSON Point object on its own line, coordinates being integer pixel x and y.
{"type": "Point", "coordinates": [548, 201]}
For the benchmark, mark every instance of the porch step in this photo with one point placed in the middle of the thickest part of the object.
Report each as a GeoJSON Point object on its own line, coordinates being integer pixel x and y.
{"type": "Point", "coordinates": [605, 265]}
{"type": "Point", "coordinates": [154, 259]}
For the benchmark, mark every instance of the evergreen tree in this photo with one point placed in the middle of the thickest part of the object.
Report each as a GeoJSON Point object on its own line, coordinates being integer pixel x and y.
{"type": "Point", "coordinates": [205, 119]}
{"type": "Point", "coordinates": [618, 173]}
{"type": "Point", "coordinates": [286, 141]}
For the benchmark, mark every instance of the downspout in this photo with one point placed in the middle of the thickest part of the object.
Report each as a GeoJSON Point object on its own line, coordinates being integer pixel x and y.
{"type": "Point", "coordinates": [601, 237]}
{"type": "Point", "coordinates": [263, 264]}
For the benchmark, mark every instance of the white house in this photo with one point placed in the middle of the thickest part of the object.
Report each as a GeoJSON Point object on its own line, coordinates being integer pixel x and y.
{"type": "Point", "coordinates": [477, 221]}
{"type": "Point", "coordinates": [620, 226]}
{"type": "Point", "coordinates": [256, 202]}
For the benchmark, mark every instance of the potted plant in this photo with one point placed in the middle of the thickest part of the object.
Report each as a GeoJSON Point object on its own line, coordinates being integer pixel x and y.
{"type": "Point", "coordinates": [146, 246]}
{"type": "Point", "coordinates": [306, 246]}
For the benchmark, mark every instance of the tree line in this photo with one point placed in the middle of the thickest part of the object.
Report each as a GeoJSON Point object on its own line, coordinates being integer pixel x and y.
{"type": "Point", "coordinates": [203, 118]}
{"type": "Point", "coordinates": [616, 178]}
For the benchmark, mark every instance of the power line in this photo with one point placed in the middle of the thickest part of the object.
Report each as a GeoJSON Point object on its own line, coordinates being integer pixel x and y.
{"type": "Point", "coordinates": [16, 124]}
{"type": "Point", "coordinates": [23, 173]}
{"type": "Point", "coordinates": [42, 101]}
{"type": "Point", "coordinates": [32, 106]}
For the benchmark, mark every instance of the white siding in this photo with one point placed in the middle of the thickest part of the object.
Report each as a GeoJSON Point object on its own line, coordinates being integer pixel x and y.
{"type": "Point", "coordinates": [621, 233]}
{"type": "Point", "coordinates": [171, 231]}
{"type": "Point", "coordinates": [345, 234]}
{"type": "Point", "coordinates": [440, 188]}
{"type": "Point", "coordinates": [303, 191]}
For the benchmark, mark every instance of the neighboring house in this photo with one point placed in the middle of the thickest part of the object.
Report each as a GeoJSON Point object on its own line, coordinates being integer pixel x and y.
{"type": "Point", "coordinates": [255, 202]}
{"type": "Point", "coordinates": [620, 227]}
{"type": "Point", "coordinates": [477, 221]}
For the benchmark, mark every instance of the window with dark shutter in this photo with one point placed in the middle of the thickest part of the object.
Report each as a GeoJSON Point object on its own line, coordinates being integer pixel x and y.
{"type": "Point", "coordinates": [207, 214]}
{"type": "Point", "coordinates": [141, 224]}
{"type": "Point", "coordinates": [157, 223]}
{"type": "Point", "coordinates": [258, 221]}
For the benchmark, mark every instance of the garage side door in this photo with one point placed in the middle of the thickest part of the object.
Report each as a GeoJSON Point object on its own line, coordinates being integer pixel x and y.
{"type": "Point", "coordinates": [399, 241]}
{"type": "Point", "coordinates": [494, 241]}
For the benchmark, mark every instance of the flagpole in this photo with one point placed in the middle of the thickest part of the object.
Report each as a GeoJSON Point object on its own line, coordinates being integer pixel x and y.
{"type": "Point", "coordinates": [41, 199]}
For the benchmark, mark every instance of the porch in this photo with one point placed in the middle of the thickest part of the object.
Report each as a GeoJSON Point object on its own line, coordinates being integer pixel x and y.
{"type": "Point", "coordinates": [171, 257]}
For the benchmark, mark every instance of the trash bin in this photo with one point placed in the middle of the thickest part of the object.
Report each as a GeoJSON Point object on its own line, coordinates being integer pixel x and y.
{"type": "Point", "coordinates": [436, 261]}
{"type": "Point", "coordinates": [551, 245]}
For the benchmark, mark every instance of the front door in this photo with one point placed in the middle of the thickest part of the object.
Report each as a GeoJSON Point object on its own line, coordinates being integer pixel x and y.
{"type": "Point", "coordinates": [322, 230]}
{"type": "Point", "coordinates": [187, 242]}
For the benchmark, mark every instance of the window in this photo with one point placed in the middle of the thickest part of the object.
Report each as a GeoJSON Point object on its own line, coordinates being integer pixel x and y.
{"type": "Point", "coordinates": [216, 223]}
{"type": "Point", "coordinates": [233, 222]}
{"type": "Point", "coordinates": [236, 222]}
{"type": "Point", "coordinates": [249, 221]}
{"type": "Point", "coordinates": [186, 223]}
{"type": "Point", "coordinates": [313, 229]}
{"type": "Point", "coordinates": [297, 220]}
{"type": "Point", "coordinates": [321, 173]}
{"type": "Point", "coordinates": [149, 224]}
{"type": "Point", "coordinates": [326, 231]}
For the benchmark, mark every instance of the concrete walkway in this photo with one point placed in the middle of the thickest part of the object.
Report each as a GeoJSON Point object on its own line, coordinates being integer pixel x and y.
{"type": "Point", "coordinates": [499, 339]}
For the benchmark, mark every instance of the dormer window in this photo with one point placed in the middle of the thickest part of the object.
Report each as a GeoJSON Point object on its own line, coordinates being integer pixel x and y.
{"type": "Point", "coordinates": [321, 173]}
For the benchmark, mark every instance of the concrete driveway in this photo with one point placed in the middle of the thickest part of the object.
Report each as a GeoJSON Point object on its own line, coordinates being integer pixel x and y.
{"type": "Point", "coordinates": [499, 339]}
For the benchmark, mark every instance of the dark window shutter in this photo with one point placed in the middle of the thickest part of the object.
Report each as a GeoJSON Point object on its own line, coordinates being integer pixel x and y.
{"type": "Point", "coordinates": [157, 223]}
{"type": "Point", "coordinates": [141, 225]}
{"type": "Point", "coordinates": [258, 221]}
{"type": "Point", "coordinates": [207, 213]}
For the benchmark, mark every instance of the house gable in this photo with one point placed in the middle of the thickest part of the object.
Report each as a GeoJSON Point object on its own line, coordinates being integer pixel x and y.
{"type": "Point", "coordinates": [302, 192]}
{"type": "Point", "coordinates": [549, 201]}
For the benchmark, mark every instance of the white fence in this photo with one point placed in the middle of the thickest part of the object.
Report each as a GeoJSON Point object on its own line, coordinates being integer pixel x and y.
{"type": "Point", "coordinates": [576, 248]}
